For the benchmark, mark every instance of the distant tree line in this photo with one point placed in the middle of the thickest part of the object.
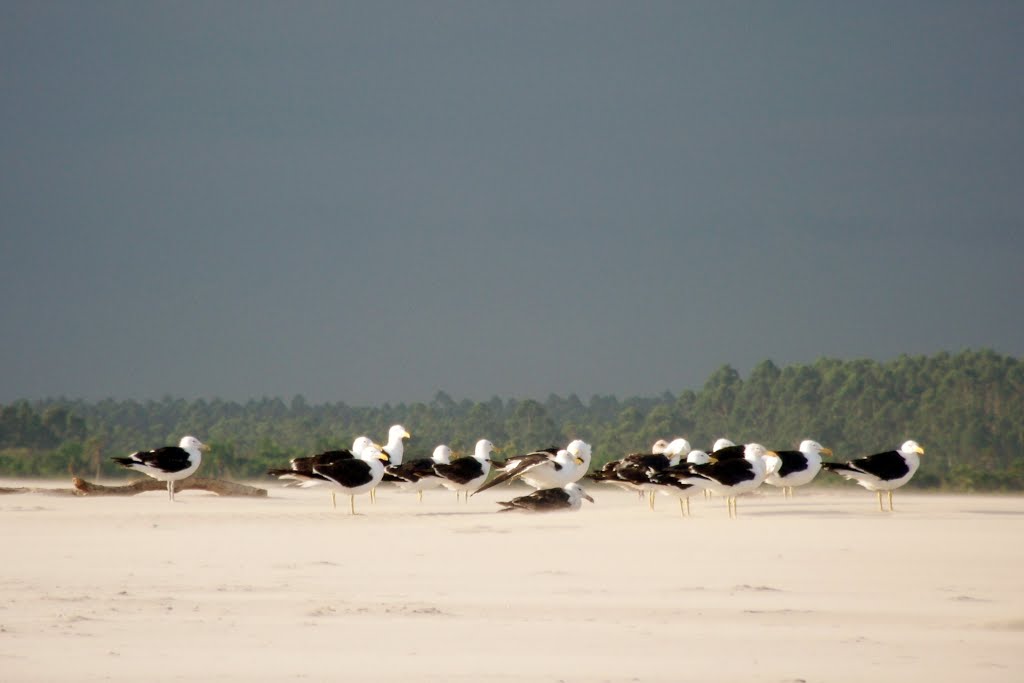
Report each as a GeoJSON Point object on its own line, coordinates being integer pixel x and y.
{"type": "Point", "coordinates": [967, 409]}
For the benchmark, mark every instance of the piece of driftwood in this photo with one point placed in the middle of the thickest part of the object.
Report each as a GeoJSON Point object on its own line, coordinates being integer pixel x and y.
{"type": "Point", "coordinates": [218, 486]}
{"type": "Point", "coordinates": [36, 489]}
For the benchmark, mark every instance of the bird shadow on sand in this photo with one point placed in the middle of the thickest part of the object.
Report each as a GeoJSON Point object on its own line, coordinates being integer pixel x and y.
{"type": "Point", "coordinates": [467, 513]}
{"type": "Point", "coordinates": [995, 512]}
{"type": "Point", "coordinates": [797, 513]}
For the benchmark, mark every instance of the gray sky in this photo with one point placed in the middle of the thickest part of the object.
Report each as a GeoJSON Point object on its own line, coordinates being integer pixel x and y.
{"type": "Point", "coordinates": [370, 202]}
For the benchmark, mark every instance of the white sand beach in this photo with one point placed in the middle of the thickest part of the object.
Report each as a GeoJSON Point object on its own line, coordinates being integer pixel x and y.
{"type": "Point", "coordinates": [822, 587]}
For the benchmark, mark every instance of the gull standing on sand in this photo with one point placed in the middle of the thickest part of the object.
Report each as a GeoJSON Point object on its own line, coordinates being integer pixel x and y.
{"type": "Point", "coordinates": [467, 474]}
{"type": "Point", "coordinates": [300, 470]}
{"type": "Point", "coordinates": [549, 468]}
{"type": "Point", "coordinates": [788, 469]}
{"type": "Point", "coordinates": [170, 463]}
{"type": "Point", "coordinates": [882, 471]}
{"type": "Point", "coordinates": [730, 478]}
{"type": "Point", "coordinates": [607, 473]}
{"type": "Point", "coordinates": [635, 470]}
{"type": "Point", "coordinates": [668, 485]}
{"type": "Point", "coordinates": [395, 450]}
{"type": "Point", "coordinates": [354, 476]}
{"type": "Point", "coordinates": [418, 475]}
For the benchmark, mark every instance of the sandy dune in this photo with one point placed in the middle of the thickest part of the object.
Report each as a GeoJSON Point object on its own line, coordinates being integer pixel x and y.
{"type": "Point", "coordinates": [820, 588]}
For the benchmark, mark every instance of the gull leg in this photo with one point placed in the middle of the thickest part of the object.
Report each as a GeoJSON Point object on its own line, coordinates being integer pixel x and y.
{"type": "Point", "coordinates": [352, 504]}
{"type": "Point", "coordinates": [170, 489]}
{"type": "Point", "coordinates": [682, 509]}
{"type": "Point", "coordinates": [650, 500]}
{"type": "Point", "coordinates": [687, 506]}
{"type": "Point", "coordinates": [334, 499]}
{"type": "Point", "coordinates": [880, 508]}
{"type": "Point", "coordinates": [890, 500]}
{"type": "Point", "coordinates": [420, 494]}
{"type": "Point", "coordinates": [373, 495]}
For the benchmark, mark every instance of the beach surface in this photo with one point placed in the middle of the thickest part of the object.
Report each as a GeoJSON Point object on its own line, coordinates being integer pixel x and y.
{"type": "Point", "coordinates": [822, 587]}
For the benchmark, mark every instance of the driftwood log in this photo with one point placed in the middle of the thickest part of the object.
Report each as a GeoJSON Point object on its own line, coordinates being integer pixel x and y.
{"type": "Point", "coordinates": [37, 489]}
{"type": "Point", "coordinates": [87, 488]}
{"type": "Point", "coordinates": [218, 486]}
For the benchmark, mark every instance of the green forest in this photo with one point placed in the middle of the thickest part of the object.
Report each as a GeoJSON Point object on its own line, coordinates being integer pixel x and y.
{"type": "Point", "coordinates": [966, 409]}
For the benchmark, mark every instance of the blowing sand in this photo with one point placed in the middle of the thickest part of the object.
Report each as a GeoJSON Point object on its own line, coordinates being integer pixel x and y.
{"type": "Point", "coordinates": [819, 588]}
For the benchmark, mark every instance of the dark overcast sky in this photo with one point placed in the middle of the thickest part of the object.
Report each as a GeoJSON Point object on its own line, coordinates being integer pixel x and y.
{"type": "Point", "coordinates": [371, 202]}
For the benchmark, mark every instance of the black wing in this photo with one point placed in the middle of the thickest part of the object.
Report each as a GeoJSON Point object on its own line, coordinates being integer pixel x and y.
{"type": "Point", "coordinates": [512, 460]}
{"type": "Point", "coordinates": [726, 472]}
{"type": "Point", "coordinates": [666, 479]}
{"type": "Point", "coordinates": [413, 470]}
{"type": "Point", "coordinates": [349, 472]}
{"type": "Point", "coordinates": [304, 466]}
{"type": "Point", "coordinates": [792, 461]}
{"type": "Point", "coordinates": [168, 459]}
{"type": "Point", "coordinates": [461, 471]}
{"type": "Point", "coordinates": [608, 472]}
{"type": "Point", "coordinates": [654, 461]}
{"type": "Point", "coordinates": [637, 468]}
{"type": "Point", "coordinates": [886, 466]}
{"type": "Point", "coordinates": [729, 452]}
{"type": "Point", "coordinates": [545, 500]}
{"type": "Point", "coordinates": [521, 465]}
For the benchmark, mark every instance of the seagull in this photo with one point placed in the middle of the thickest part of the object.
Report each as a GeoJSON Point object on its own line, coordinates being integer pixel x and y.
{"type": "Point", "coordinates": [729, 478]}
{"type": "Point", "coordinates": [549, 468]}
{"type": "Point", "coordinates": [419, 475]}
{"type": "Point", "coordinates": [669, 485]}
{"type": "Point", "coordinates": [727, 450]}
{"type": "Point", "coordinates": [395, 450]}
{"type": "Point", "coordinates": [582, 450]}
{"type": "Point", "coordinates": [788, 469]}
{"type": "Point", "coordinates": [567, 498]}
{"type": "Point", "coordinates": [300, 470]}
{"type": "Point", "coordinates": [354, 475]}
{"type": "Point", "coordinates": [169, 463]}
{"type": "Point", "coordinates": [882, 471]}
{"type": "Point", "coordinates": [637, 469]}
{"type": "Point", "coordinates": [723, 449]}
{"type": "Point", "coordinates": [360, 443]}
{"type": "Point", "coordinates": [634, 470]}
{"type": "Point", "coordinates": [466, 474]}
{"type": "Point", "coordinates": [395, 447]}
{"type": "Point", "coordinates": [607, 472]}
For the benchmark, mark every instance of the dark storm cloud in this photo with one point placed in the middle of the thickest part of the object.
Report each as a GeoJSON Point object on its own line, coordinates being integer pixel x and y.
{"type": "Point", "coordinates": [373, 202]}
